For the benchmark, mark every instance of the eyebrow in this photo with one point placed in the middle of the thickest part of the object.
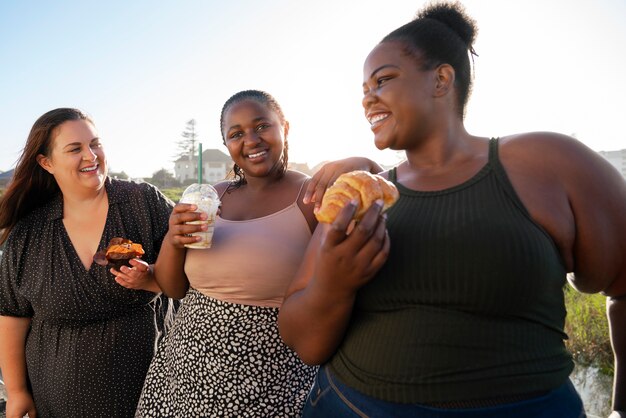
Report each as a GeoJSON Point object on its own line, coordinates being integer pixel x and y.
{"type": "Point", "coordinates": [259, 119]}
{"type": "Point", "coordinates": [77, 143]}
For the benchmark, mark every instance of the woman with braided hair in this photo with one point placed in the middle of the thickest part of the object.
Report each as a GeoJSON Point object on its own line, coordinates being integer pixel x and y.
{"type": "Point", "coordinates": [223, 356]}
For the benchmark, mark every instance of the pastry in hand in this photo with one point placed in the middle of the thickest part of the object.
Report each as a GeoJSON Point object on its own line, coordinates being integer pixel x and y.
{"type": "Point", "coordinates": [119, 252]}
{"type": "Point", "coordinates": [361, 186]}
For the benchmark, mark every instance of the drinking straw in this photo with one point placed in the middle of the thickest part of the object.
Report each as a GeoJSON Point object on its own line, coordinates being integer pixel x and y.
{"type": "Point", "coordinates": [200, 163]}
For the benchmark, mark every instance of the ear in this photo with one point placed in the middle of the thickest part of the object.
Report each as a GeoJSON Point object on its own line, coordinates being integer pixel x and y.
{"type": "Point", "coordinates": [44, 162]}
{"type": "Point", "coordinates": [286, 129]}
{"type": "Point", "coordinates": [445, 76]}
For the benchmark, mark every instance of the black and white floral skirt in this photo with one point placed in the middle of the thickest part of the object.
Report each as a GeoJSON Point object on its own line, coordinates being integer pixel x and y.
{"type": "Point", "coordinates": [222, 359]}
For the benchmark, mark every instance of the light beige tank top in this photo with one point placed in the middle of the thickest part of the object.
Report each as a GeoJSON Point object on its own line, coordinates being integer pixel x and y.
{"type": "Point", "coordinates": [251, 262]}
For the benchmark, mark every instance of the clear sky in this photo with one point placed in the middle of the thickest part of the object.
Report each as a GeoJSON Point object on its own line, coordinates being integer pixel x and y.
{"type": "Point", "coordinates": [143, 68]}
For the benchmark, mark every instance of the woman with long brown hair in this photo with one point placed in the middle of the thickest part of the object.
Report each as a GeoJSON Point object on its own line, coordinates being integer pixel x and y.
{"type": "Point", "coordinates": [74, 341]}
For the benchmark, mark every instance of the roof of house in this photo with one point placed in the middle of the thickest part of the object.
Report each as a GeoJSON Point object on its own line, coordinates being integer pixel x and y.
{"type": "Point", "coordinates": [212, 155]}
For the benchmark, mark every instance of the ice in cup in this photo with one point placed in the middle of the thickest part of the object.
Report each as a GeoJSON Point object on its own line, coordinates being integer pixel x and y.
{"type": "Point", "coordinates": [206, 198]}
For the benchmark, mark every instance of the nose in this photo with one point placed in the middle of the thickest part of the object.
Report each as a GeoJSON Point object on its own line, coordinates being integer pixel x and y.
{"type": "Point", "coordinates": [369, 97]}
{"type": "Point", "coordinates": [89, 155]}
{"type": "Point", "coordinates": [252, 137]}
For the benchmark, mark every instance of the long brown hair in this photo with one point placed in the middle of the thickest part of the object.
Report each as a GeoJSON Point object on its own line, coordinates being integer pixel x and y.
{"type": "Point", "coordinates": [32, 186]}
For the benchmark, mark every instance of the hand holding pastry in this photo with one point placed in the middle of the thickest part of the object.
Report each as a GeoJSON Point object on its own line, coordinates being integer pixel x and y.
{"type": "Point", "coordinates": [118, 253]}
{"type": "Point", "coordinates": [138, 275]}
{"type": "Point", "coordinates": [329, 172]}
{"type": "Point", "coordinates": [358, 186]}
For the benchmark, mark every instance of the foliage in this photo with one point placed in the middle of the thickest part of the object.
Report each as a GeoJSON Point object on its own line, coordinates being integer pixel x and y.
{"type": "Point", "coordinates": [187, 145]}
{"type": "Point", "coordinates": [121, 176]}
{"type": "Point", "coordinates": [173, 193]}
{"type": "Point", "coordinates": [588, 330]}
{"type": "Point", "coordinates": [163, 179]}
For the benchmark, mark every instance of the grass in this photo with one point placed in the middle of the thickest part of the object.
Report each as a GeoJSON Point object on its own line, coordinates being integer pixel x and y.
{"type": "Point", "coordinates": [588, 330]}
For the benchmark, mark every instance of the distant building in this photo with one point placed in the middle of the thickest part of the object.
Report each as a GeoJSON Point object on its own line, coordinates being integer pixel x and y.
{"type": "Point", "coordinates": [215, 167]}
{"type": "Point", "coordinates": [617, 159]}
{"type": "Point", "coordinates": [301, 167]}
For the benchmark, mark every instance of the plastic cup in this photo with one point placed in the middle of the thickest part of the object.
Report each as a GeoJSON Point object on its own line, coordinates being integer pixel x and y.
{"type": "Point", "coordinates": [206, 198]}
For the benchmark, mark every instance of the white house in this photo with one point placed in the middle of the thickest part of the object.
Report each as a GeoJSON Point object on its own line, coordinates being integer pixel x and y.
{"type": "Point", "coordinates": [215, 166]}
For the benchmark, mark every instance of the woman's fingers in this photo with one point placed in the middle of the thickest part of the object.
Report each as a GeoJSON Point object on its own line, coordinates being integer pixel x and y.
{"type": "Point", "coordinates": [337, 231]}
{"type": "Point", "coordinates": [317, 186]}
{"type": "Point", "coordinates": [183, 222]}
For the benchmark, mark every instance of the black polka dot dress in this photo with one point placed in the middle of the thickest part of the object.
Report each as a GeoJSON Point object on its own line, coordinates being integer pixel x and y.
{"type": "Point", "coordinates": [91, 340]}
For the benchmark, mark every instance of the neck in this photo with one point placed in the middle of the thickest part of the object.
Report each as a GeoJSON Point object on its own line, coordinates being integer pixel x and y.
{"type": "Point", "coordinates": [440, 148]}
{"type": "Point", "coordinates": [260, 183]}
{"type": "Point", "coordinates": [85, 202]}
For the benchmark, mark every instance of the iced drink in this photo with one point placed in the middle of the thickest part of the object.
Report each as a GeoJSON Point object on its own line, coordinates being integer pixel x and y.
{"type": "Point", "coordinates": [207, 200]}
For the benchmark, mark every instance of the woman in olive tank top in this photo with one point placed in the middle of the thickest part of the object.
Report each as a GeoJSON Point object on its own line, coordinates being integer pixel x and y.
{"type": "Point", "coordinates": [452, 304]}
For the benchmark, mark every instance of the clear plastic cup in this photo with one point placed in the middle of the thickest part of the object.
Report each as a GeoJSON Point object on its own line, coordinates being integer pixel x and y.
{"type": "Point", "coordinates": [206, 198]}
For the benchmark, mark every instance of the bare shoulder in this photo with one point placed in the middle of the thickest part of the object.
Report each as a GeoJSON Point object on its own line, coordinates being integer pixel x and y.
{"type": "Point", "coordinates": [545, 146]}
{"type": "Point", "coordinates": [558, 157]}
{"type": "Point", "coordinates": [301, 180]}
{"type": "Point", "coordinates": [222, 186]}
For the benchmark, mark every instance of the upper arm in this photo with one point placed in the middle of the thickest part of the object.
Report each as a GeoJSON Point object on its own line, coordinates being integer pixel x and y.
{"type": "Point", "coordinates": [307, 209]}
{"type": "Point", "coordinates": [579, 198]}
{"type": "Point", "coordinates": [597, 195]}
{"type": "Point", "coordinates": [307, 266]}
{"type": "Point", "coordinates": [12, 302]}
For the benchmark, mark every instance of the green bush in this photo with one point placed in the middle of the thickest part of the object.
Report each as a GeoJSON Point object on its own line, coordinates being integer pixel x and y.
{"type": "Point", "coordinates": [173, 193]}
{"type": "Point", "coordinates": [588, 330]}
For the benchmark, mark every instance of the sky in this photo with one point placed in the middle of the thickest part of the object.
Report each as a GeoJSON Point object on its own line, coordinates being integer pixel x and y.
{"type": "Point", "coordinates": [143, 68]}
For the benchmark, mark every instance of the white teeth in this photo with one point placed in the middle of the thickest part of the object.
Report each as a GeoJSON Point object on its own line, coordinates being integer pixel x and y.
{"type": "Point", "coordinates": [87, 169]}
{"type": "Point", "coordinates": [378, 118]}
{"type": "Point", "coordinates": [258, 154]}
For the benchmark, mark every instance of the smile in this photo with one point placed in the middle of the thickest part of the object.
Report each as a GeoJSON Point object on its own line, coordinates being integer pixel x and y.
{"type": "Point", "coordinates": [377, 118]}
{"type": "Point", "coordinates": [258, 154]}
{"type": "Point", "coordinates": [89, 169]}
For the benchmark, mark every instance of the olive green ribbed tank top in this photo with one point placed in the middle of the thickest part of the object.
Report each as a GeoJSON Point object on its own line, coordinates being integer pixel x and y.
{"type": "Point", "coordinates": [469, 304]}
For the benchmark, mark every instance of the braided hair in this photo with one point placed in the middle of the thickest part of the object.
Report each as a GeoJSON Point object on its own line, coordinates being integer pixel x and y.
{"type": "Point", "coordinates": [265, 99]}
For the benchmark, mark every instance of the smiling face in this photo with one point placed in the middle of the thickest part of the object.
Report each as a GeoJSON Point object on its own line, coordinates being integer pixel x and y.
{"type": "Point", "coordinates": [255, 137]}
{"type": "Point", "coordinates": [76, 159]}
{"type": "Point", "coordinates": [397, 96]}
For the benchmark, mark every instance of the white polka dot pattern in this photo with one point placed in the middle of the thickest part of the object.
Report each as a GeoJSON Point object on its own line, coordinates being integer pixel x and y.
{"type": "Point", "coordinates": [91, 340]}
{"type": "Point", "coordinates": [222, 360]}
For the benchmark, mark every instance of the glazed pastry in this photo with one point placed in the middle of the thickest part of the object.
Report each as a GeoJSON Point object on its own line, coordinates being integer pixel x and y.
{"type": "Point", "coordinates": [119, 251]}
{"type": "Point", "coordinates": [363, 187]}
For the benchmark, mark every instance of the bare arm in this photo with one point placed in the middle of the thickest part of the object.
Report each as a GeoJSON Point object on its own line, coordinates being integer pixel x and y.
{"type": "Point", "coordinates": [616, 313]}
{"type": "Point", "coordinates": [580, 199]}
{"type": "Point", "coordinates": [600, 254]}
{"type": "Point", "coordinates": [597, 196]}
{"type": "Point", "coordinates": [13, 331]}
{"type": "Point", "coordinates": [319, 302]}
{"type": "Point", "coordinates": [169, 267]}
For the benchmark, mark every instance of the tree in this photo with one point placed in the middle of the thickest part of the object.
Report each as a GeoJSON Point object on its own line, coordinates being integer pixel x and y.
{"type": "Point", "coordinates": [122, 175]}
{"type": "Point", "coordinates": [187, 145]}
{"type": "Point", "coordinates": [163, 179]}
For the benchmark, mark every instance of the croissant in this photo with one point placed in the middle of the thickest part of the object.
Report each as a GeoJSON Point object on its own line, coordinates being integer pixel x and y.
{"type": "Point", "coordinates": [363, 187]}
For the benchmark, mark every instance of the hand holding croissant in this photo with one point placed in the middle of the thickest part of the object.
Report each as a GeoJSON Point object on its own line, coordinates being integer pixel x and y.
{"type": "Point", "coordinates": [363, 187]}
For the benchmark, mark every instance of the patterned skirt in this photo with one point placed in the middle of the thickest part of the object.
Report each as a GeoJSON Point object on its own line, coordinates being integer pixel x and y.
{"type": "Point", "coordinates": [222, 359]}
